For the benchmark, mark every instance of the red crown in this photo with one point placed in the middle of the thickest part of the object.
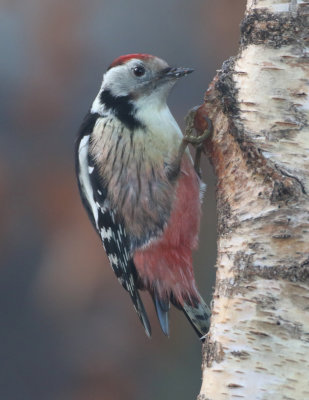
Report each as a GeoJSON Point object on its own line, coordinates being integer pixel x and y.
{"type": "Point", "coordinates": [123, 59]}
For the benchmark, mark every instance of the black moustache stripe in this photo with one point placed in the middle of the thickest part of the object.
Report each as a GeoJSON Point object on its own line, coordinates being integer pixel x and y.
{"type": "Point", "coordinates": [123, 109]}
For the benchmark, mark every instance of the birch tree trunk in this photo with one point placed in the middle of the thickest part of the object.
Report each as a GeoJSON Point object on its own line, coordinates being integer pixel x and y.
{"type": "Point", "coordinates": [258, 345]}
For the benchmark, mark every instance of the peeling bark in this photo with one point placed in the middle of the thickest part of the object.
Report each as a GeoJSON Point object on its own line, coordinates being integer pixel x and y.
{"type": "Point", "coordinates": [258, 345]}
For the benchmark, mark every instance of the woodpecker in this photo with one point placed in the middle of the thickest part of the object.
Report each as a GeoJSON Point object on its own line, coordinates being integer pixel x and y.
{"type": "Point", "coordinates": [138, 184]}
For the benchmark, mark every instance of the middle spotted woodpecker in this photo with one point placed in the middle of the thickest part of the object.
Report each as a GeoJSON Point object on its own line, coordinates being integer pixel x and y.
{"type": "Point", "coordinates": [141, 191]}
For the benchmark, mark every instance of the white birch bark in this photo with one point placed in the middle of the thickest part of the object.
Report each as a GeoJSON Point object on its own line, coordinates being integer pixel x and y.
{"type": "Point", "coordinates": [258, 345]}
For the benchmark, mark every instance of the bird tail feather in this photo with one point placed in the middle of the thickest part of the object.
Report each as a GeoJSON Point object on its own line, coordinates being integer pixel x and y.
{"type": "Point", "coordinates": [141, 312]}
{"type": "Point", "coordinates": [198, 315]}
{"type": "Point", "coordinates": [162, 307]}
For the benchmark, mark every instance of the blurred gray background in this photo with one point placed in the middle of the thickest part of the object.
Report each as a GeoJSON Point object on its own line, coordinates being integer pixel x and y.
{"type": "Point", "coordinates": [68, 330]}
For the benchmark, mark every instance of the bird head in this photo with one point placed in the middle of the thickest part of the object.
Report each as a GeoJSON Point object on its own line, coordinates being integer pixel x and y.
{"type": "Point", "coordinates": [138, 79]}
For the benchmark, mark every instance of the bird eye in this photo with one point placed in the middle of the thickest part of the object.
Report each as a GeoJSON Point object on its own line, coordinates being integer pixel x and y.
{"type": "Point", "coordinates": [139, 70]}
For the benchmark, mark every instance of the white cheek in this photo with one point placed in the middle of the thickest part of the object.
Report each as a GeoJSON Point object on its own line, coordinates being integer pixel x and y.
{"type": "Point", "coordinates": [97, 106]}
{"type": "Point", "coordinates": [119, 81]}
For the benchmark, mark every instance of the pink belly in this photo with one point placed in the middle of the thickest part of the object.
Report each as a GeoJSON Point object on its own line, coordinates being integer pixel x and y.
{"type": "Point", "coordinates": [166, 263]}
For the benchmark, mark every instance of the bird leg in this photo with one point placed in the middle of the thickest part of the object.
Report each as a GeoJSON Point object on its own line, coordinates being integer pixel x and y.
{"type": "Point", "coordinates": [196, 141]}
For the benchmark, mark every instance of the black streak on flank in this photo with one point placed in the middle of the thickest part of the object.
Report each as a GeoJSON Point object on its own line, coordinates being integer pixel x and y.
{"type": "Point", "coordinates": [122, 108]}
{"type": "Point", "coordinates": [172, 172]}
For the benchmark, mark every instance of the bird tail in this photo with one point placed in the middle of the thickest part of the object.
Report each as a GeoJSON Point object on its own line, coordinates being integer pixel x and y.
{"type": "Point", "coordinates": [198, 314]}
{"type": "Point", "coordinates": [130, 283]}
{"type": "Point", "coordinates": [141, 312]}
{"type": "Point", "coordinates": [162, 306]}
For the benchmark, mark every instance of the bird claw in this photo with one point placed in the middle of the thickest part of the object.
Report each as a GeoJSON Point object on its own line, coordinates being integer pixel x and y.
{"type": "Point", "coordinates": [189, 119]}
{"type": "Point", "coordinates": [196, 141]}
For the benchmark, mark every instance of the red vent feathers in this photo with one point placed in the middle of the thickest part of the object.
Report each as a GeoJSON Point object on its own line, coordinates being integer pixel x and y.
{"type": "Point", "coordinates": [123, 59]}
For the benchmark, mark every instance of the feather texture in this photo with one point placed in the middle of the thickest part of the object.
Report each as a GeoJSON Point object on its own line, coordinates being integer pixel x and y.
{"type": "Point", "coordinates": [144, 205]}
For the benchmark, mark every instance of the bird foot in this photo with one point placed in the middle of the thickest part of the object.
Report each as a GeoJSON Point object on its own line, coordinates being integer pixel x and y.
{"type": "Point", "coordinates": [189, 119]}
{"type": "Point", "coordinates": [196, 141]}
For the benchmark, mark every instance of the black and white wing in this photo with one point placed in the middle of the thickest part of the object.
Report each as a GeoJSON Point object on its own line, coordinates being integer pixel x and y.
{"type": "Point", "coordinates": [112, 233]}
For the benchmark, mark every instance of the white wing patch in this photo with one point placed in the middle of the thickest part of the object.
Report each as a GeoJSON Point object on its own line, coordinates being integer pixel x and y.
{"type": "Point", "coordinates": [106, 233]}
{"type": "Point", "coordinates": [84, 176]}
{"type": "Point", "coordinates": [113, 259]}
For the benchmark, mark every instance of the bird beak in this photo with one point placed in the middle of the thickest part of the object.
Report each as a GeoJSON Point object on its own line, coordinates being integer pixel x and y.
{"type": "Point", "coordinates": [175, 73]}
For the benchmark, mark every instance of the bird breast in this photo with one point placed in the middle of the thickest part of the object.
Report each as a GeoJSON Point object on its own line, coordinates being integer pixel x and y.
{"type": "Point", "coordinates": [133, 166]}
